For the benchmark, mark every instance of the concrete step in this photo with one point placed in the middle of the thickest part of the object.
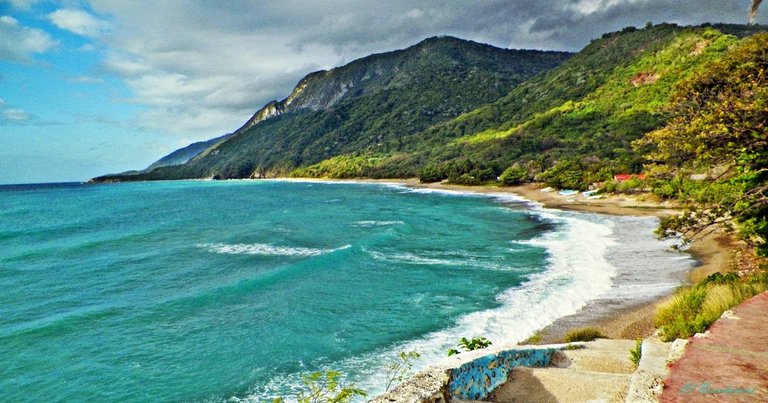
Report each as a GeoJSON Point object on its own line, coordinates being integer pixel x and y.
{"type": "Point", "coordinates": [602, 355]}
{"type": "Point", "coordinates": [598, 372]}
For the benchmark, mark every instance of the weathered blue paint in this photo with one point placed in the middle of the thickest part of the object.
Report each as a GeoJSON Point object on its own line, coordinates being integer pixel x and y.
{"type": "Point", "coordinates": [476, 379]}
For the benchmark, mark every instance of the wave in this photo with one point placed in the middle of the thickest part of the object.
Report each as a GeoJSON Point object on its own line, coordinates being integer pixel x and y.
{"type": "Point", "coordinates": [371, 223]}
{"type": "Point", "coordinates": [266, 249]}
{"type": "Point", "coordinates": [580, 269]}
{"type": "Point", "coordinates": [453, 259]}
{"type": "Point", "coordinates": [577, 272]}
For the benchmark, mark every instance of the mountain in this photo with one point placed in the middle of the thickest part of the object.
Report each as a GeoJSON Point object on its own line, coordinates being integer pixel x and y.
{"type": "Point", "coordinates": [584, 114]}
{"type": "Point", "coordinates": [457, 110]}
{"type": "Point", "coordinates": [380, 99]}
{"type": "Point", "coordinates": [185, 154]}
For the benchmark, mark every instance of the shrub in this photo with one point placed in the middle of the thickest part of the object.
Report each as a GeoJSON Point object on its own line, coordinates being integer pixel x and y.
{"type": "Point", "coordinates": [636, 353]}
{"type": "Point", "coordinates": [692, 310]}
{"type": "Point", "coordinates": [325, 387]}
{"type": "Point", "coordinates": [584, 334]}
{"type": "Point", "coordinates": [514, 175]}
{"type": "Point", "coordinates": [475, 343]}
{"type": "Point", "coordinates": [400, 369]}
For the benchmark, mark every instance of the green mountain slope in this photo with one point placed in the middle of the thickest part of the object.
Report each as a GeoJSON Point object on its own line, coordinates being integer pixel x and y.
{"type": "Point", "coordinates": [363, 106]}
{"type": "Point", "coordinates": [457, 110]}
{"type": "Point", "coordinates": [587, 110]}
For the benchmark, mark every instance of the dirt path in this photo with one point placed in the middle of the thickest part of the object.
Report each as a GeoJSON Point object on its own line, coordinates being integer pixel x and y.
{"type": "Point", "coordinates": [730, 364]}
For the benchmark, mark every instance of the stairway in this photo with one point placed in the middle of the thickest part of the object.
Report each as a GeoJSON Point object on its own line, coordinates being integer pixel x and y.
{"type": "Point", "coordinates": [598, 372]}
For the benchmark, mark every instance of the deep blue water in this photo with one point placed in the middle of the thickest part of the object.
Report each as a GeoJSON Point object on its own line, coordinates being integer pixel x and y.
{"type": "Point", "coordinates": [209, 291]}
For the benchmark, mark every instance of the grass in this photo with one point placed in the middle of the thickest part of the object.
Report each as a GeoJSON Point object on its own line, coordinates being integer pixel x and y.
{"type": "Point", "coordinates": [535, 338]}
{"type": "Point", "coordinates": [584, 334]}
{"type": "Point", "coordinates": [693, 309]}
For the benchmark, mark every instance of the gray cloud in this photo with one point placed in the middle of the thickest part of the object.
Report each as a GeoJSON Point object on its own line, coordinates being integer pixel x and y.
{"type": "Point", "coordinates": [18, 43]}
{"type": "Point", "coordinates": [202, 67]}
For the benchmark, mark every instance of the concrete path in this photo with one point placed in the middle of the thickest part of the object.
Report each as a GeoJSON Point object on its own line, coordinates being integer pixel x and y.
{"type": "Point", "coordinates": [729, 364]}
{"type": "Point", "coordinates": [599, 372]}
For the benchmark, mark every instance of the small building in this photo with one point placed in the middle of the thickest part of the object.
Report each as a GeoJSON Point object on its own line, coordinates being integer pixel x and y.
{"type": "Point", "coordinates": [626, 177]}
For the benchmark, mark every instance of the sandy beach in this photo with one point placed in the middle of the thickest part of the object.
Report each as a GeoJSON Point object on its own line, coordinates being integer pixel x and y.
{"type": "Point", "coordinates": [631, 320]}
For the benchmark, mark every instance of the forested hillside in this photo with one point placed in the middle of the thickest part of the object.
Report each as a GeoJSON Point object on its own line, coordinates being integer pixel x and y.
{"type": "Point", "coordinates": [371, 106]}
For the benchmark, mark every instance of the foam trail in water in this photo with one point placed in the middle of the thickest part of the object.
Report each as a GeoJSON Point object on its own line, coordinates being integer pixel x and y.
{"type": "Point", "coordinates": [266, 249]}
{"type": "Point", "coordinates": [372, 223]}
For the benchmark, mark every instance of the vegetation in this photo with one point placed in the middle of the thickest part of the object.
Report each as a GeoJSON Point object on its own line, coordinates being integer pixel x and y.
{"type": "Point", "coordinates": [325, 387]}
{"type": "Point", "coordinates": [376, 105]}
{"type": "Point", "coordinates": [686, 105]}
{"type": "Point", "coordinates": [583, 334]}
{"type": "Point", "coordinates": [718, 133]}
{"type": "Point", "coordinates": [474, 343]}
{"type": "Point", "coordinates": [400, 369]}
{"type": "Point", "coordinates": [636, 353]}
{"type": "Point", "coordinates": [693, 309]}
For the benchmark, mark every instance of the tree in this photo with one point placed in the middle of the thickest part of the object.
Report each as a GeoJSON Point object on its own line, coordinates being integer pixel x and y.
{"type": "Point", "coordinates": [719, 125]}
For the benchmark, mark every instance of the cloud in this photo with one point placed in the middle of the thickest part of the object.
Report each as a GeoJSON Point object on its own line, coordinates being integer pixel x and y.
{"type": "Point", "coordinates": [202, 68]}
{"type": "Point", "coordinates": [18, 43]}
{"type": "Point", "coordinates": [79, 22]}
{"type": "Point", "coordinates": [22, 4]}
{"type": "Point", "coordinates": [85, 80]}
{"type": "Point", "coordinates": [15, 115]}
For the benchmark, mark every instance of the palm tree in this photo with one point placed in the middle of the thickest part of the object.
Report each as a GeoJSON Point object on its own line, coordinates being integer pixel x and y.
{"type": "Point", "coordinates": [753, 10]}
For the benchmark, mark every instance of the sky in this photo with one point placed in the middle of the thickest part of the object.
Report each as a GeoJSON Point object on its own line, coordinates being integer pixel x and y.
{"type": "Point", "coordinates": [104, 86]}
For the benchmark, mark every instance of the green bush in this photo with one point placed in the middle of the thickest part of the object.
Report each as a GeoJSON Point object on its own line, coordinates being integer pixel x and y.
{"type": "Point", "coordinates": [474, 343]}
{"type": "Point", "coordinates": [514, 175]}
{"type": "Point", "coordinates": [584, 334]}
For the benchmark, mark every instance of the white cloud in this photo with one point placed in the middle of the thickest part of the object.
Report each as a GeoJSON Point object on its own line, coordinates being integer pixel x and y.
{"type": "Point", "coordinates": [19, 43]}
{"type": "Point", "coordinates": [126, 66]}
{"type": "Point", "coordinates": [15, 115]}
{"type": "Point", "coordinates": [78, 22]}
{"type": "Point", "coordinates": [22, 4]}
{"type": "Point", "coordinates": [587, 7]}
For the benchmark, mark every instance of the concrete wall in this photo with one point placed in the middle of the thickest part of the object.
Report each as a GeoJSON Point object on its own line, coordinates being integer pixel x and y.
{"type": "Point", "coordinates": [470, 375]}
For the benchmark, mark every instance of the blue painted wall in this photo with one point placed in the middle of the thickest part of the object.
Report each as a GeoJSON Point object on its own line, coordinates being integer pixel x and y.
{"type": "Point", "coordinates": [478, 378]}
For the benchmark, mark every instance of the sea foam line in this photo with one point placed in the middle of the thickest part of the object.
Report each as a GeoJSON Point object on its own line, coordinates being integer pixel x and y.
{"type": "Point", "coordinates": [266, 249]}
{"type": "Point", "coordinates": [373, 223]}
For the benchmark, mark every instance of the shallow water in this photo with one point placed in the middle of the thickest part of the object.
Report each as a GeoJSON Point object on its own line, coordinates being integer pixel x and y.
{"type": "Point", "coordinates": [209, 291]}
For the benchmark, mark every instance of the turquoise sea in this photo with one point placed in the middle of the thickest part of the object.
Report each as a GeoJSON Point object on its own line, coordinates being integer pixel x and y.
{"type": "Point", "coordinates": [227, 291]}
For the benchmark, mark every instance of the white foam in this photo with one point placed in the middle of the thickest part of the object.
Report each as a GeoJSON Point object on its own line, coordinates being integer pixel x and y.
{"type": "Point", "coordinates": [371, 223]}
{"type": "Point", "coordinates": [453, 259]}
{"type": "Point", "coordinates": [446, 192]}
{"type": "Point", "coordinates": [578, 272]}
{"type": "Point", "coordinates": [266, 249]}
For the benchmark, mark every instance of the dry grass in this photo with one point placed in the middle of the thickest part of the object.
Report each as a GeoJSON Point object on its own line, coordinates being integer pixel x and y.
{"type": "Point", "coordinates": [693, 309]}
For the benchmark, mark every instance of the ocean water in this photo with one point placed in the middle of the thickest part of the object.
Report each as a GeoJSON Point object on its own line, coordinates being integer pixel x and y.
{"type": "Point", "coordinates": [227, 291]}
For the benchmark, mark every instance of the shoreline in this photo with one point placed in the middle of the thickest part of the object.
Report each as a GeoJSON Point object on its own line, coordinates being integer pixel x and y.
{"type": "Point", "coordinates": [632, 320]}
